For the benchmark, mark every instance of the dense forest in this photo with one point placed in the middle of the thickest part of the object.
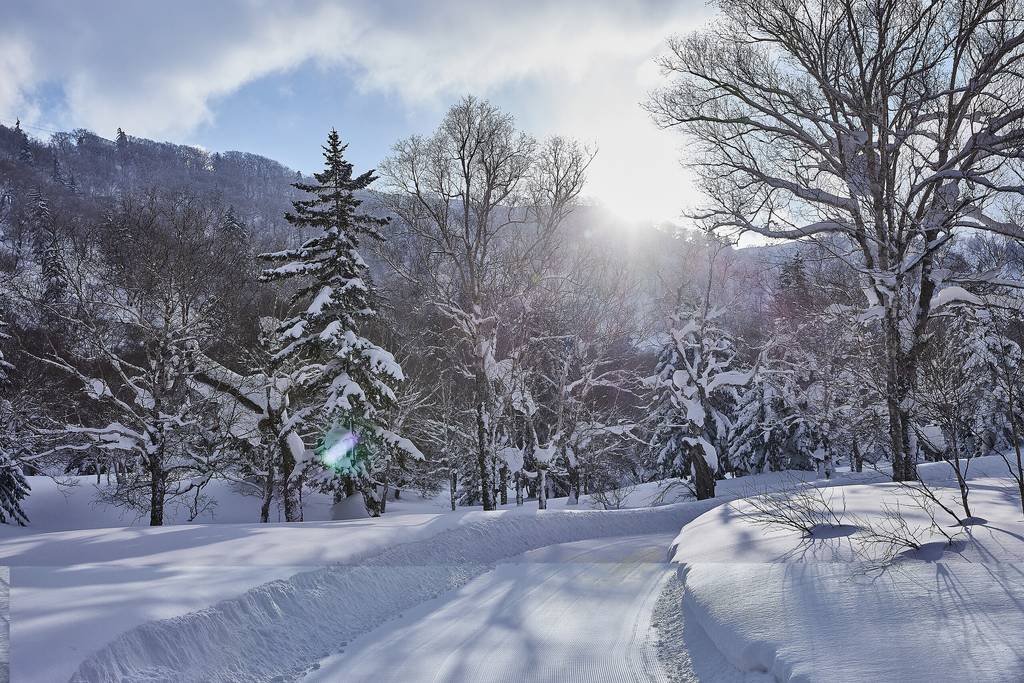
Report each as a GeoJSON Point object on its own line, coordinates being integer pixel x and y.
{"type": "Point", "coordinates": [456, 320]}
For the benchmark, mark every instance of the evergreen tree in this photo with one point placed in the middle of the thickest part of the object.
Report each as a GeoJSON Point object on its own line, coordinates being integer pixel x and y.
{"type": "Point", "coordinates": [758, 438]}
{"type": "Point", "coordinates": [13, 485]}
{"type": "Point", "coordinates": [696, 384]}
{"type": "Point", "coordinates": [25, 152]}
{"type": "Point", "coordinates": [232, 226]}
{"type": "Point", "coordinates": [348, 381]}
{"type": "Point", "coordinates": [46, 247]}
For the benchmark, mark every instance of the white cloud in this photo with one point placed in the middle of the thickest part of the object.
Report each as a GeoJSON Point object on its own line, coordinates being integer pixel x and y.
{"type": "Point", "coordinates": [157, 69]}
{"type": "Point", "coordinates": [16, 84]}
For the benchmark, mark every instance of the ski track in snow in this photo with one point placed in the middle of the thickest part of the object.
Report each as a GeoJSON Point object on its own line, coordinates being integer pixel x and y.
{"type": "Point", "coordinates": [277, 631]}
{"type": "Point", "coordinates": [576, 612]}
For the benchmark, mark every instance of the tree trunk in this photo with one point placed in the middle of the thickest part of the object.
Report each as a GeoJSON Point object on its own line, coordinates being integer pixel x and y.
{"type": "Point", "coordinates": [268, 492]}
{"type": "Point", "coordinates": [453, 484]}
{"type": "Point", "coordinates": [157, 493]}
{"type": "Point", "coordinates": [349, 485]}
{"type": "Point", "coordinates": [519, 487]}
{"type": "Point", "coordinates": [504, 485]}
{"type": "Point", "coordinates": [703, 477]}
{"type": "Point", "coordinates": [898, 372]}
{"type": "Point", "coordinates": [858, 458]}
{"type": "Point", "coordinates": [542, 488]}
{"type": "Point", "coordinates": [481, 457]}
{"type": "Point", "coordinates": [373, 497]}
{"type": "Point", "coordinates": [574, 485]}
{"type": "Point", "coordinates": [288, 493]}
{"type": "Point", "coordinates": [1019, 476]}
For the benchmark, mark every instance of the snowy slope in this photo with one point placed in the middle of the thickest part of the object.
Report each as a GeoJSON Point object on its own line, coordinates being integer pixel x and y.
{"type": "Point", "coordinates": [810, 610]}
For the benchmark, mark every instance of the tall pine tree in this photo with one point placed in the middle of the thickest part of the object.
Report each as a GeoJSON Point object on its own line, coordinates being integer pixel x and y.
{"type": "Point", "coordinates": [348, 381]}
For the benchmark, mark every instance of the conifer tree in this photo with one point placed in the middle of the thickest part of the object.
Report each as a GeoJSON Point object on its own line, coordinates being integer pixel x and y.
{"type": "Point", "coordinates": [13, 485]}
{"type": "Point", "coordinates": [347, 380]}
{"type": "Point", "coordinates": [25, 153]}
{"type": "Point", "coordinates": [47, 247]}
{"type": "Point", "coordinates": [696, 383]}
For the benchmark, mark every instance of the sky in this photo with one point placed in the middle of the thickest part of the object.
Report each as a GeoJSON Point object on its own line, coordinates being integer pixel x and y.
{"type": "Point", "coordinates": [272, 77]}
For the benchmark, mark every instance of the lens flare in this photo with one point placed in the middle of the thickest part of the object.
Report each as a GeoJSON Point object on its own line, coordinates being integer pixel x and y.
{"type": "Point", "coordinates": [339, 449]}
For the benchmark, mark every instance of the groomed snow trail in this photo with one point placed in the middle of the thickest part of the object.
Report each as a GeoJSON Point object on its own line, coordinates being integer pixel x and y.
{"type": "Point", "coordinates": [573, 612]}
{"type": "Point", "coordinates": [277, 631]}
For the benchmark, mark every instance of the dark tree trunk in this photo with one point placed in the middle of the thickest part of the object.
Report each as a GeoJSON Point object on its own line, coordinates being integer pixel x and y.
{"type": "Point", "coordinates": [897, 392]}
{"type": "Point", "coordinates": [268, 493]}
{"type": "Point", "coordinates": [453, 484]}
{"type": "Point", "coordinates": [542, 488]}
{"type": "Point", "coordinates": [481, 457]}
{"type": "Point", "coordinates": [288, 491]}
{"type": "Point", "coordinates": [703, 477]}
{"type": "Point", "coordinates": [503, 491]}
{"type": "Point", "coordinates": [157, 493]}
{"type": "Point", "coordinates": [1019, 476]}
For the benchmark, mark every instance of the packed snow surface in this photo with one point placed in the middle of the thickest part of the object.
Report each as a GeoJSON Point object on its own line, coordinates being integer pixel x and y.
{"type": "Point", "coordinates": [571, 612]}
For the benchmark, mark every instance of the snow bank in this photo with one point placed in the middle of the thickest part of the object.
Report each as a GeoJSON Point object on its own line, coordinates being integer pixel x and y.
{"type": "Point", "coordinates": [279, 628]}
{"type": "Point", "coordinates": [813, 609]}
{"type": "Point", "coordinates": [824, 621]}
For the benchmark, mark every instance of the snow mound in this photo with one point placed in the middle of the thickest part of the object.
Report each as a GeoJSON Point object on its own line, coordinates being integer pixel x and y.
{"type": "Point", "coordinates": [805, 622]}
{"type": "Point", "coordinates": [278, 629]}
{"type": "Point", "coordinates": [776, 602]}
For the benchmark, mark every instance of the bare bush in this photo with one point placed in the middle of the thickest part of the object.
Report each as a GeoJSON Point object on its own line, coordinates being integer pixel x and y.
{"type": "Point", "coordinates": [804, 509]}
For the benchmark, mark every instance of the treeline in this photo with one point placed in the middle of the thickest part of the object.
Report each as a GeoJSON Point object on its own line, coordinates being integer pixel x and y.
{"type": "Point", "coordinates": [456, 320]}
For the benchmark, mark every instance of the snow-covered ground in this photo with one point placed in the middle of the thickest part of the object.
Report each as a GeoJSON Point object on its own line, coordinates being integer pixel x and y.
{"type": "Point", "coordinates": [571, 612]}
{"type": "Point", "coordinates": [71, 503]}
{"type": "Point", "coordinates": [246, 601]}
{"type": "Point", "coordinates": [773, 601]}
{"type": "Point", "coordinates": [283, 627]}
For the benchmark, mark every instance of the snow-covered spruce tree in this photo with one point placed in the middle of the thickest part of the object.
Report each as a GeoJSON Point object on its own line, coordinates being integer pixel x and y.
{"type": "Point", "coordinates": [46, 248]}
{"type": "Point", "coordinates": [760, 430]}
{"type": "Point", "coordinates": [1004, 362]}
{"type": "Point", "coordinates": [347, 381]}
{"type": "Point", "coordinates": [13, 485]}
{"type": "Point", "coordinates": [696, 391]}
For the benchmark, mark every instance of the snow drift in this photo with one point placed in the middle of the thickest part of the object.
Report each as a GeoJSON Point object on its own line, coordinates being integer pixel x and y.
{"type": "Point", "coordinates": [774, 602]}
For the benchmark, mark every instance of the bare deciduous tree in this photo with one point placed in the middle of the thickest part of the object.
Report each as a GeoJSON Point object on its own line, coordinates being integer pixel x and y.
{"type": "Point", "coordinates": [885, 127]}
{"type": "Point", "coordinates": [480, 203]}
